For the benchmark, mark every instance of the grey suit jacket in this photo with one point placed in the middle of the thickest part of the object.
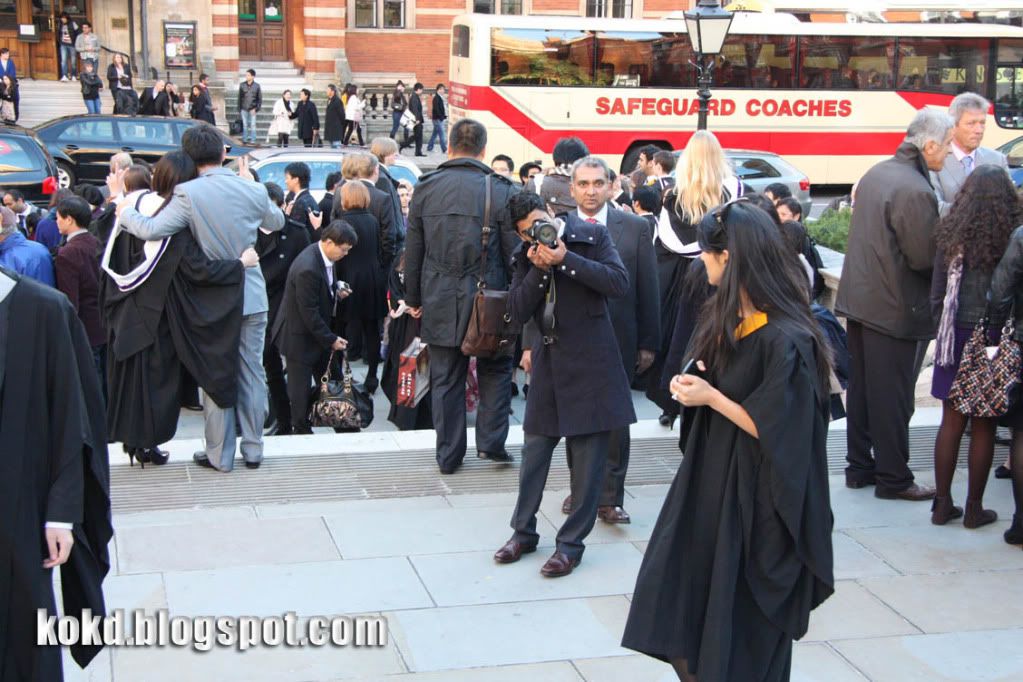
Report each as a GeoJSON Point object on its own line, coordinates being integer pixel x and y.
{"type": "Point", "coordinates": [949, 180]}
{"type": "Point", "coordinates": [224, 213]}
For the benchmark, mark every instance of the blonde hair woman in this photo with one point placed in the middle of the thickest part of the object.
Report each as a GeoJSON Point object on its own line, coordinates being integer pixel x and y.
{"type": "Point", "coordinates": [704, 179]}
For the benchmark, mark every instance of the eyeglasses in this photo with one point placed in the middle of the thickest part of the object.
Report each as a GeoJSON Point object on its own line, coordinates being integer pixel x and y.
{"type": "Point", "coordinates": [721, 212]}
{"type": "Point", "coordinates": [227, 149]}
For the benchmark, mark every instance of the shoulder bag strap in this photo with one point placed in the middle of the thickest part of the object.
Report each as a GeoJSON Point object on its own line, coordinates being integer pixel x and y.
{"type": "Point", "coordinates": [326, 373]}
{"type": "Point", "coordinates": [482, 283]}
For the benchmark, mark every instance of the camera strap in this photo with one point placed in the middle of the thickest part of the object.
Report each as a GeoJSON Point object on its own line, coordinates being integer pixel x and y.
{"type": "Point", "coordinates": [548, 322]}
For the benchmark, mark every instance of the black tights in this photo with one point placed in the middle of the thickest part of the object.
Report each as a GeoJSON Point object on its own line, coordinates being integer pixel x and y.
{"type": "Point", "coordinates": [282, 139]}
{"type": "Point", "coordinates": [1017, 471]}
{"type": "Point", "coordinates": [946, 452]}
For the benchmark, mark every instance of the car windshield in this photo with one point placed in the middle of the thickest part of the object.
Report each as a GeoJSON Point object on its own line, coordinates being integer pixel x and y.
{"type": "Point", "coordinates": [273, 171]}
{"type": "Point", "coordinates": [402, 173]}
{"type": "Point", "coordinates": [16, 155]}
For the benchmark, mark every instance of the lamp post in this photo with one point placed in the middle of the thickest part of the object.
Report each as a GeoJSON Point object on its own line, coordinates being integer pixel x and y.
{"type": "Point", "coordinates": [708, 26]}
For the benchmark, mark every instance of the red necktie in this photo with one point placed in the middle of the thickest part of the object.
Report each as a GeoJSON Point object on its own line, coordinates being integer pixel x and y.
{"type": "Point", "coordinates": [592, 220]}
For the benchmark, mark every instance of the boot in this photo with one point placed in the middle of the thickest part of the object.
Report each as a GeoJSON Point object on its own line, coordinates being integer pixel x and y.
{"type": "Point", "coordinates": [976, 516]}
{"type": "Point", "coordinates": [943, 511]}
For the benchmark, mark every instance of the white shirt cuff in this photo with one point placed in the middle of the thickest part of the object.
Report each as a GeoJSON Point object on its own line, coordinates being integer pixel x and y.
{"type": "Point", "coordinates": [59, 524]}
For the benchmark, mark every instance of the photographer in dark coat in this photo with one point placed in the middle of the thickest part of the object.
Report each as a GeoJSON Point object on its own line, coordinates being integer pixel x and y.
{"type": "Point", "coordinates": [636, 317]}
{"type": "Point", "coordinates": [442, 261]}
{"type": "Point", "coordinates": [578, 388]}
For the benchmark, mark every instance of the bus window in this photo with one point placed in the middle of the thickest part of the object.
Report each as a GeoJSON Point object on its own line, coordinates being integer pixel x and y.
{"type": "Point", "coordinates": [541, 57]}
{"type": "Point", "coordinates": [846, 62]}
{"type": "Point", "coordinates": [460, 41]}
{"type": "Point", "coordinates": [755, 61]}
{"type": "Point", "coordinates": [948, 65]}
{"type": "Point", "coordinates": [644, 60]}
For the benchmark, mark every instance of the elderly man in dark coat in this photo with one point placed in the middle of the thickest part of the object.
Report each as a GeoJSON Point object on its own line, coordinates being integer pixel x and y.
{"type": "Point", "coordinates": [884, 293]}
{"type": "Point", "coordinates": [636, 317]}
{"type": "Point", "coordinates": [578, 389]}
{"type": "Point", "coordinates": [443, 251]}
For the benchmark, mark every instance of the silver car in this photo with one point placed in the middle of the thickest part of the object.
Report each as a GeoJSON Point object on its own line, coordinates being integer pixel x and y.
{"type": "Point", "coordinates": [270, 162]}
{"type": "Point", "coordinates": [760, 169]}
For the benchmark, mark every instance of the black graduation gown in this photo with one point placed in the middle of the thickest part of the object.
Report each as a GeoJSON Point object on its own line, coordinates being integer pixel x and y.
{"type": "Point", "coordinates": [741, 551]}
{"type": "Point", "coordinates": [53, 467]}
{"type": "Point", "coordinates": [400, 334]}
{"type": "Point", "coordinates": [671, 273]}
{"type": "Point", "coordinates": [361, 270]}
{"type": "Point", "coordinates": [187, 313]}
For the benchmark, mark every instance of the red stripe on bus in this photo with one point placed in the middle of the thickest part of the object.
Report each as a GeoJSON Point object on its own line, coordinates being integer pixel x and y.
{"type": "Point", "coordinates": [806, 143]}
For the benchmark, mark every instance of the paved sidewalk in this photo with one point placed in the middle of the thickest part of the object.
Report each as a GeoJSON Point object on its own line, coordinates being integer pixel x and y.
{"type": "Point", "coordinates": [914, 601]}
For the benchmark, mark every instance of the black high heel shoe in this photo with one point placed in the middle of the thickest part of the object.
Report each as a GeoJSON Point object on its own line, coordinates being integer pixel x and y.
{"type": "Point", "coordinates": [156, 456]}
{"type": "Point", "coordinates": [137, 453]}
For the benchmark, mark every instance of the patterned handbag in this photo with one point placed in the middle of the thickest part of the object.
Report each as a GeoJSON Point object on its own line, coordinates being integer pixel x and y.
{"type": "Point", "coordinates": [339, 404]}
{"type": "Point", "coordinates": [983, 385]}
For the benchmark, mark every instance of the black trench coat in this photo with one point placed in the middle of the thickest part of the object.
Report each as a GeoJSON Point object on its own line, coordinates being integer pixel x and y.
{"type": "Point", "coordinates": [578, 384]}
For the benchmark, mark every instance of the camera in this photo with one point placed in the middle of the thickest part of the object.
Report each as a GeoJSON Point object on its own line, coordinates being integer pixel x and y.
{"type": "Point", "coordinates": [544, 232]}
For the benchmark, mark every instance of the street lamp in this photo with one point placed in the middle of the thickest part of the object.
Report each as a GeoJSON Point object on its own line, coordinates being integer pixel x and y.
{"type": "Point", "coordinates": [708, 26]}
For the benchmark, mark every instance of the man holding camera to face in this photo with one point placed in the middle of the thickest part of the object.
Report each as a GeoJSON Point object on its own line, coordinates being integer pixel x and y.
{"type": "Point", "coordinates": [563, 276]}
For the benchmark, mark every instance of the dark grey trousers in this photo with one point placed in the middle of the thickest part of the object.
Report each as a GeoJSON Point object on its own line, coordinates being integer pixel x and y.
{"type": "Point", "coordinates": [879, 400]}
{"type": "Point", "coordinates": [590, 455]}
{"type": "Point", "coordinates": [620, 445]}
{"type": "Point", "coordinates": [448, 369]}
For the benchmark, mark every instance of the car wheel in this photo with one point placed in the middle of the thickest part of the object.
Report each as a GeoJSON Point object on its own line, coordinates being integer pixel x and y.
{"type": "Point", "coordinates": [65, 176]}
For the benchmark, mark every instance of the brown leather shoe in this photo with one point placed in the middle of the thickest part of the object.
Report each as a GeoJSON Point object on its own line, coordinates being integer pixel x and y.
{"type": "Point", "coordinates": [613, 515]}
{"type": "Point", "coordinates": [566, 506]}
{"type": "Point", "coordinates": [914, 493]}
{"type": "Point", "coordinates": [559, 565]}
{"type": "Point", "coordinates": [512, 552]}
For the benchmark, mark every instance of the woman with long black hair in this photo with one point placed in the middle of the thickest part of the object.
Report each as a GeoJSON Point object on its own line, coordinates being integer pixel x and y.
{"type": "Point", "coordinates": [971, 240]}
{"type": "Point", "coordinates": [741, 552]}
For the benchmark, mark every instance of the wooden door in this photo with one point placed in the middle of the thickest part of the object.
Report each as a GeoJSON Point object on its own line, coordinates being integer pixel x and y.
{"type": "Point", "coordinates": [44, 14]}
{"type": "Point", "coordinates": [262, 34]}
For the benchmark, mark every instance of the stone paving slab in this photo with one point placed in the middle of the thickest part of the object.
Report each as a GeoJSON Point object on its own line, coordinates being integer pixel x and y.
{"type": "Point", "coordinates": [428, 531]}
{"type": "Point", "coordinates": [475, 578]}
{"type": "Point", "coordinates": [561, 671]}
{"type": "Point", "coordinates": [254, 665]}
{"type": "Point", "coordinates": [343, 507]}
{"type": "Point", "coordinates": [982, 656]}
{"type": "Point", "coordinates": [913, 602]}
{"type": "Point", "coordinates": [940, 549]}
{"type": "Point", "coordinates": [853, 612]}
{"type": "Point", "coordinates": [322, 588]}
{"type": "Point", "coordinates": [810, 663]}
{"type": "Point", "coordinates": [504, 634]}
{"type": "Point", "coordinates": [853, 560]}
{"type": "Point", "coordinates": [216, 543]}
{"type": "Point", "coordinates": [957, 601]}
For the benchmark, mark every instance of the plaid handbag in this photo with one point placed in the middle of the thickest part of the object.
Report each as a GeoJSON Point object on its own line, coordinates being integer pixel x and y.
{"type": "Point", "coordinates": [983, 385]}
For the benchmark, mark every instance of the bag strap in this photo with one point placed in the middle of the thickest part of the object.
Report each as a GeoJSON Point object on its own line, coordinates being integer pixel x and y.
{"type": "Point", "coordinates": [326, 372]}
{"type": "Point", "coordinates": [482, 283]}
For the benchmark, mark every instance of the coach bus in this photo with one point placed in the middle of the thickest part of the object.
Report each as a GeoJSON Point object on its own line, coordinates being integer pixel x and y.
{"type": "Point", "coordinates": [831, 98]}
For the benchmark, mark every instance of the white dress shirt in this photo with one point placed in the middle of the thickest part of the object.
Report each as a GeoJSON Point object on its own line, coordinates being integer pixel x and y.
{"type": "Point", "coordinates": [601, 216]}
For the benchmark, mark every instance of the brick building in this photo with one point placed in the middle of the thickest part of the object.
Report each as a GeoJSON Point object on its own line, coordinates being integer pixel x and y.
{"type": "Point", "coordinates": [366, 41]}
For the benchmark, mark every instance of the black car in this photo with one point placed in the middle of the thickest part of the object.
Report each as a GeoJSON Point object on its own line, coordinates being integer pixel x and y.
{"type": "Point", "coordinates": [25, 165]}
{"type": "Point", "coordinates": [82, 145]}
